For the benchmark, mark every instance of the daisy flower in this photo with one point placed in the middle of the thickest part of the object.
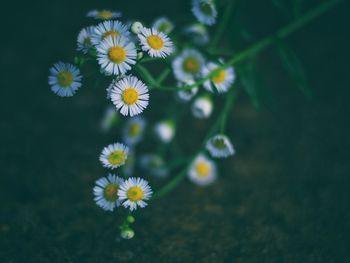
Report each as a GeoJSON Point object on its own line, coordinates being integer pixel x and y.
{"type": "Point", "coordinates": [114, 155]}
{"type": "Point", "coordinates": [133, 130]}
{"type": "Point", "coordinates": [154, 165]}
{"type": "Point", "coordinates": [106, 192]}
{"type": "Point", "coordinates": [156, 44]}
{"type": "Point", "coordinates": [204, 11]}
{"type": "Point", "coordinates": [165, 130]}
{"type": "Point", "coordinates": [136, 27]}
{"type": "Point", "coordinates": [202, 107]}
{"type": "Point", "coordinates": [105, 29]}
{"type": "Point", "coordinates": [186, 95]}
{"type": "Point", "coordinates": [84, 39]}
{"type": "Point", "coordinates": [130, 96]}
{"type": "Point", "coordinates": [133, 192]}
{"type": "Point", "coordinates": [221, 80]}
{"type": "Point", "coordinates": [65, 79]}
{"type": "Point", "coordinates": [103, 14]}
{"type": "Point", "coordinates": [202, 171]}
{"type": "Point", "coordinates": [198, 33]}
{"type": "Point", "coordinates": [163, 24]}
{"type": "Point", "coordinates": [188, 65]}
{"type": "Point", "coordinates": [116, 54]}
{"type": "Point", "coordinates": [220, 146]}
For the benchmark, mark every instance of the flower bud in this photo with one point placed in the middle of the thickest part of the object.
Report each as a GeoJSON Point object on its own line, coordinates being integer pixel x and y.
{"type": "Point", "coordinates": [136, 27]}
{"type": "Point", "coordinates": [202, 107]}
{"type": "Point", "coordinates": [130, 219]}
{"type": "Point", "coordinates": [127, 233]}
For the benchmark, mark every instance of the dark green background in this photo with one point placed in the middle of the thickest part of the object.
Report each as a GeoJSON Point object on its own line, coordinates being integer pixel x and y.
{"type": "Point", "coordinates": [283, 197]}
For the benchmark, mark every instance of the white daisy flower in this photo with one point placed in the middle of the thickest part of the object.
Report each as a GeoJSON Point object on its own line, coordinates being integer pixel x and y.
{"type": "Point", "coordinates": [130, 96]}
{"type": "Point", "coordinates": [114, 155]}
{"type": "Point", "coordinates": [204, 11]}
{"type": "Point", "coordinates": [133, 130]}
{"type": "Point", "coordinates": [106, 192]}
{"type": "Point", "coordinates": [188, 65]}
{"type": "Point", "coordinates": [84, 39]}
{"type": "Point", "coordinates": [165, 130]}
{"type": "Point", "coordinates": [198, 34]}
{"type": "Point", "coordinates": [220, 146]}
{"type": "Point", "coordinates": [154, 165]}
{"type": "Point", "coordinates": [133, 192]}
{"type": "Point", "coordinates": [163, 24]}
{"type": "Point", "coordinates": [202, 107]}
{"type": "Point", "coordinates": [104, 14]}
{"type": "Point", "coordinates": [157, 44]}
{"type": "Point", "coordinates": [203, 171]}
{"type": "Point", "coordinates": [136, 27]}
{"type": "Point", "coordinates": [116, 54]}
{"type": "Point", "coordinates": [186, 95]}
{"type": "Point", "coordinates": [65, 79]}
{"type": "Point", "coordinates": [111, 28]}
{"type": "Point", "coordinates": [109, 119]}
{"type": "Point", "coordinates": [221, 80]}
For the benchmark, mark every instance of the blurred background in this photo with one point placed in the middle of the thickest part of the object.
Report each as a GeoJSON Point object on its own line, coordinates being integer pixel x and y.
{"type": "Point", "coordinates": [282, 198]}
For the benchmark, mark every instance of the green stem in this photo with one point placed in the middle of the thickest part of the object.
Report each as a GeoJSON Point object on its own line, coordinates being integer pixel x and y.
{"type": "Point", "coordinates": [146, 75]}
{"type": "Point", "coordinates": [163, 76]}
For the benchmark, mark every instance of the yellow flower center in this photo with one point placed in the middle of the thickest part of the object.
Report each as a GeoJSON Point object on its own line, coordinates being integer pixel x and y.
{"type": "Point", "coordinates": [191, 65]}
{"type": "Point", "coordinates": [110, 33]}
{"type": "Point", "coordinates": [130, 96]}
{"type": "Point", "coordinates": [135, 193]}
{"type": "Point", "coordinates": [110, 192]}
{"type": "Point", "coordinates": [155, 42]}
{"type": "Point", "coordinates": [65, 78]}
{"type": "Point", "coordinates": [117, 54]}
{"type": "Point", "coordinates": [219, 143]}
{"type": "Point", "coordinates": [116, 158]}
{"type": "Point", "coordinates": [219, 77]}
{"type": "Point", "coordinates": [202, 169]}
{"type": "Point", "coordinates": [134, 129]}
{"type": "Point", "coordinates": [105, 14]}
{"type": "Point", "coordinates": [206, 9]}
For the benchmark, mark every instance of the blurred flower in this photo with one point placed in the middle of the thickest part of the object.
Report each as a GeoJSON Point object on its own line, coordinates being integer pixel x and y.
{"type": "Point", "coordinates": [106, 192]}
{"type": "Point", "coordinates": [202, 107]}
{"type": "Point", "coordinates": [204, 11]}
{"type": "Point", "coordinates": [157, 44]}
{"type": "Point", "coordinates": [84, 39]}
{"type": "Point", "coordinates": [114, 155]}
{"type": "Point", "coordinates": [116, 54]}
{"type": "Point", "coordinates": [109, 29]}
{"type": "Point", "coordinates": [222, 79]}
{"type": "Point", "coordinates": [154, 165]}
{"type": "Point", "coordinates": [136, 27]}
{"type": "Point", "coordinates": [197, 33]}
{"type": "Point", "coordinates": [202, 171]}
{"type": "Point", "coordinates": [129, 166]}
{"type": "Point", "coordinates": [165, 130]}
{"type": "Point", "coordinates": [130, 96]}
{"type": "Point", "coordinates": [65, 79]}
{"type": "Point", "coordinates": [133, 130]}
{"type": "Point", "coordinates": [186, 95]}
{"type": "Point", "coordinates": [110, 118]}
{"type": "Point", "coordinates": [163, 24]}
{"type": "Point", "coordinates": [127, 233]}
{"type": "Point", "coordinates": [134, 192]}
{"type": "Point", "coordinates": [188, 65]}
{"type": "Point", "coordinates": [103, 14]}
{"type": "Point", "coordinates": [220, 146]}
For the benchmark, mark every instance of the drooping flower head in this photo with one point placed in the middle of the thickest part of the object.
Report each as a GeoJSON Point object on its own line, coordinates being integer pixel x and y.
{"type": "Point", "coordinates": [134, 192]}
{"type": "Point", "coordinates": [222, 79]}
{"type": "Point", "coordinates": [130, 96]}
{"type": "Point", "coordinates": [103, 14]}
{"type": "Point", "coordinates": [65, 79]}
{"type": "Point", "coordinates": [133, 130]}
{"type": "Point", "coordinates": [156, 44]}
{"type": "Point", "coordinates": [203, 171]}
{"type": "Point", "coordinates": [197, 33]}
{"type": "Point", "coordinates": [220, 146]}
{"type": "Point", "coordinates": [163, 24]}
{"type": "Point", "coordinates": [154, 165]}
{"type": "Point", "coordinates": [204, 11]}
{"type": "Point", "coordinates": [106, 192]}
{"type": "Point", "coordinates": [114, 155]}
{"type": "Point", "coordinates": [202, 107]}
{"type": "Point", "coordinates": [165, 130]}
{"type": "Point", "coordinates": [84, 39]}
{"type": "Point", "coordinates": [110, 28]}
{"type": "Point", "coordinates": [186, 95]}
{"type": "Point", "coordinates": [116, 55]}
{"type": "Point", "coordinates": [188, 65]}
{"type": "Point", "coordinates": [109, 119]}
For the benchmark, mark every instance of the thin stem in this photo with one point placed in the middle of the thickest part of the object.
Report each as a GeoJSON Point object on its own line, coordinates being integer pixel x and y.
{"type": "Point", "coordinates": [146, 75]}
{"type": "Point", "coordinates": [163, 76]}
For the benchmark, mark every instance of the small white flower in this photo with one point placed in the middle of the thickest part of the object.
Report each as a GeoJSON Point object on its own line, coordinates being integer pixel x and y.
{"type": "Point", "coordinates": [203, 171]}
{"type": "Point", "coordinates": [127, 233]}
{"type": "Point", "coordinates": [103, 14]}
{"type": "Point", "coordinates": [109, 119]}
{"type": "Point", "coordinates": [165, 130]}
{"type": "Point", "coordinates": [116, 54]}
{"type": "Point", "coordinates": [130, 96]}
{"type": "Point", "coordinates": [106, 192]}
{"type": "Point", "coordinates": [154, 165]}
{"type": "Point", "coordinates": [133, 130]}
{"type": "Point", "coordinates": [114, 155]}
{"type": "Point", "coordinates": [204, 11]}
{"type": "Point", "coordinates": [197, 33]}
{"type": "Point", "coordinates": [202, 107]}
{"type": "Point", "coordinates": [188, 65]}
{"type": "Point", "coordinates": [134, 192]}
{"type": "Point", "coordinates": [84, 39]}
{"type": "Point", "coordinates": [186, 95]}
{"type": "Point", "coordinates": [163, 24]}
{"type": "Point", "coordinates": [220, 146]}
{"type": "Point", "coordinates": [157, 44]}
{"type": "Point", "coordinates": [65, 79]}
{"type": "Point", "coordinates": [136, 27]}
{"type": "Point", "coordinates": [222, 80]}
{"type": "Point", "coordinates": [111, 28]}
